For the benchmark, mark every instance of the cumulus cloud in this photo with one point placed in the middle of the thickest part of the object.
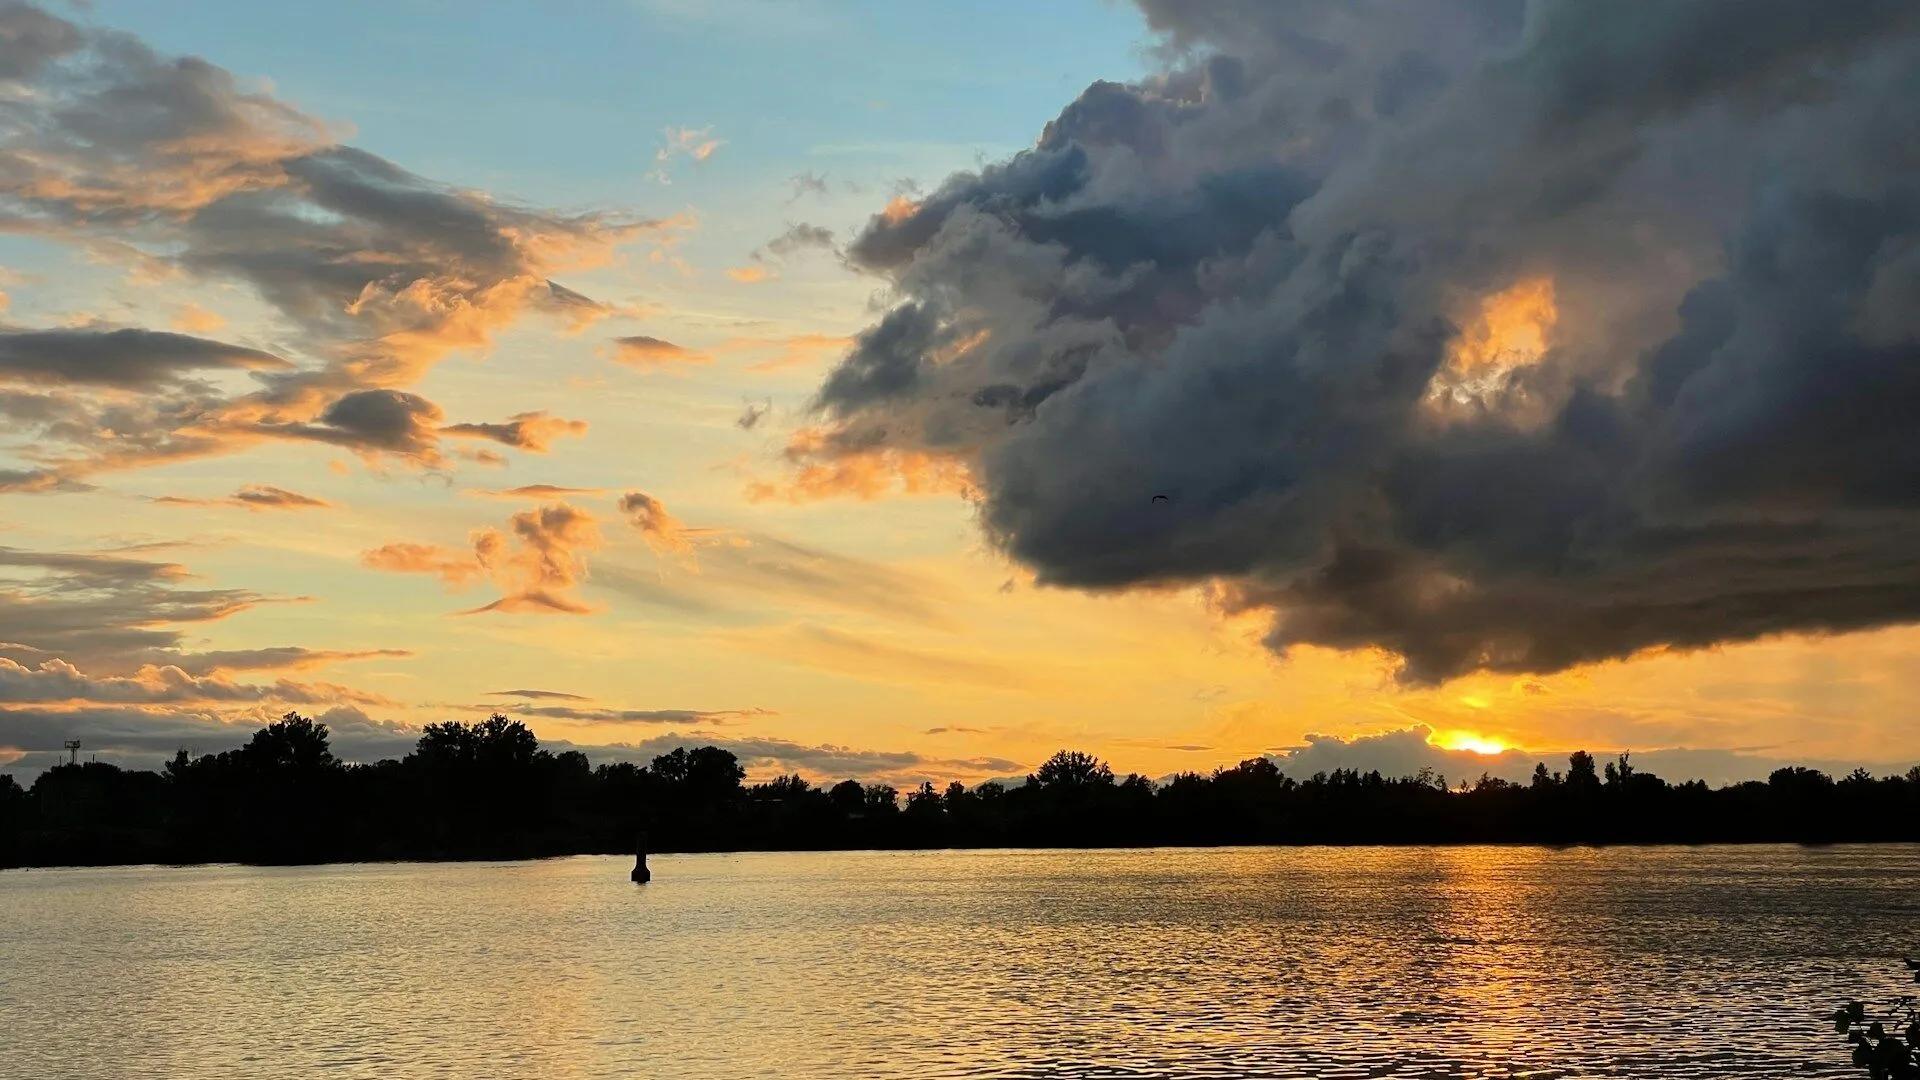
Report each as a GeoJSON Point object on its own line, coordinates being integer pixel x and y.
{"type": "Point", "coordinates": [535, 564]}
{"type": "Point", "coordinates": [170, 164]}
{"type": "Point", "coordinates": [1496, 335]}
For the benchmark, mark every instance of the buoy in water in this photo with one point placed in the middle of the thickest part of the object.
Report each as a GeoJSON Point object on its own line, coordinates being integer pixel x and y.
{"type": "Point", "coordinates": [641, 875]}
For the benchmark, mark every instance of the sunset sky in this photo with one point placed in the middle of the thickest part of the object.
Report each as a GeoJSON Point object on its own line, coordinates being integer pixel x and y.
{"type": "Point", "coordinates": [796, 376]}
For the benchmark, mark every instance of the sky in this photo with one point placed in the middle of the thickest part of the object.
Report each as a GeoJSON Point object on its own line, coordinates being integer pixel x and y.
{"type": "Point", "coordinates": [799, 376]}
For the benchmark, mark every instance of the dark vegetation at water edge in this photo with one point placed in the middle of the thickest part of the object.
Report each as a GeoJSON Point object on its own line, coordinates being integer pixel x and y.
{"type": "Point", "coordinates": [487, 790]}
{"type": "Point", "coordinates": [1884, 1039]}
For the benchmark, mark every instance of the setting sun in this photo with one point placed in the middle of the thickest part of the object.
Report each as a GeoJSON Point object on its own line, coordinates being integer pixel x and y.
{"type": "Point", "coordinates": [1470, 742]}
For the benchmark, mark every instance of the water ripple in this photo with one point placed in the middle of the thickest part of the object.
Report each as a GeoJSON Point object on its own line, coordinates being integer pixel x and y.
{"type": "Point", "coordinates": [1253, 963]}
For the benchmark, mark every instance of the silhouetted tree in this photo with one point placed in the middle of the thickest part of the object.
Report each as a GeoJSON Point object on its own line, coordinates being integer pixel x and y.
{"type": "Point", "coordinates": [882, 799]}
{"type": "Point", "coordinates": [1073, 769]}
{"type": "Point", "coordinates": [488, 789]}
{"type": "Point", "coordinates": [291, 746]}
{"type": "Point", "coordinates": [848, 797]}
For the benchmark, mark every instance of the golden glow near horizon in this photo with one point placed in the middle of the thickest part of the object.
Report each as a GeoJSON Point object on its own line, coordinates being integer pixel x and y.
{"type": "Point", "coordinates": [605, 506]}
{"type": "Point", "coordinates": [1467, 740]}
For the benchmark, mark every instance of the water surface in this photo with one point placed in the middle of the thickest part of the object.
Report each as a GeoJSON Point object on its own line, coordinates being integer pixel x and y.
{"type": "Point", "coordinates": [1308, 963]}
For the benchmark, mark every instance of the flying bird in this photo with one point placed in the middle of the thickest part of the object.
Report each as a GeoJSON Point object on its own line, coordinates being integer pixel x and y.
{"type": "Point", "coordinates": [1161, 499]}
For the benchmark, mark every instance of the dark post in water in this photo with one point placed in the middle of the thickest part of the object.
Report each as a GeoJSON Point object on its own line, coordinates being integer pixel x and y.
{"type": "Point", "coordinates": [641, 875]}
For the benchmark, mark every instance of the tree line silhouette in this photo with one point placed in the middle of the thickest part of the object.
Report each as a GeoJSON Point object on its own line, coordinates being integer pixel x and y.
{"type": "Point", "coordinates": [487, 790]}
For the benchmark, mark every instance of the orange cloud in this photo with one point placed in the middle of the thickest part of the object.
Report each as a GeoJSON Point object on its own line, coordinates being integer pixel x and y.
{"type": "Point", "coordinates": [535, 564]}
{"type": "Point", "coordinates": [648, 516]}
{"type": "Point", "coordinates": [819, 470]}
{"type": "Point", "coordinates": [748, 275]}
{"type": "Point", "coordinates": [645, 352]}
{"type": "Point", "coordinates": [899, 209]}
{"type": "Point", "coordinates": [534, 491]}
{"type": "Point", "coordinates": [663, 532]}
{"type": "Point", "coordinates": [532, 431]}
{"type": "Point", "coordinates": [456, 568]}
{"type": "Point", "coordinates": [801, 350]}
{"type": "Point", "coordinates": [58, 682]}
{"type": "Point", "coordinates": [194, 319]}
{"type": "Point", "coordinates": [254, 497]}
{"type": "Point", "coordinates": [1510, 330]}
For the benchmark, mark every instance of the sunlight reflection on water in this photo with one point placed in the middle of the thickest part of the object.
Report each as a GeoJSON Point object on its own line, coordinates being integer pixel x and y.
{"type": "Point", "coordinates": [1311, 963]}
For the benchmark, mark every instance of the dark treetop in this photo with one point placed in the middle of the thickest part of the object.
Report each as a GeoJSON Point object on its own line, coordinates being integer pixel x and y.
{"type": "Point", "coordinates": [487, 790]}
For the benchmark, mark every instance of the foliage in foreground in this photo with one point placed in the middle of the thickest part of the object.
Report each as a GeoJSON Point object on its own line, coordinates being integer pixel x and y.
{"type": "Point", "coordinates": [487, 790]}
{"type": "Point", "coordinates": [1878, 1045]}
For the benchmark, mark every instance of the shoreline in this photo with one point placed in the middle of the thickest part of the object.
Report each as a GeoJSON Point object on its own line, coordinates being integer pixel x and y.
{"type": "Point", "coordinates": [983, 849]}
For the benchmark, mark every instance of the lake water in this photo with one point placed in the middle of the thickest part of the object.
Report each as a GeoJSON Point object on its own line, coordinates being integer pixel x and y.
{"type": "Point", "coordinates": [1420, 962]}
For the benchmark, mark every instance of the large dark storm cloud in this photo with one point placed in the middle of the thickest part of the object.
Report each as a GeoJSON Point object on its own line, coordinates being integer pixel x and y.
{"type": "Point", "coordinates": [1246, 283]}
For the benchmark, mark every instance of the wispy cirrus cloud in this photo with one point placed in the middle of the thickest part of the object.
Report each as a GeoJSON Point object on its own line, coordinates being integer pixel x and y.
{"type": "Point", "coordinates": [117, 615]}
{"type": "Point", "coordinates": [844, 653]}
{"type": "Point", "coordinates": [780, 353]}
{"type": "Point", "coordinates": [56, 682]}
{"type": "Point", "coordinates": [533, 491]}
{"type": "Point", "coordinates": [641, 351]}
{"type": "Point", "coordinates": [694, 144]}
{"type": "Point", "coordinates": [761, 569]}
{"type": "Point", "coordinates": [253, 497]}
{"type": "Point", "coordinates": [538, 695]}
{"type": "Point", "coordinates": [577, 715]}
